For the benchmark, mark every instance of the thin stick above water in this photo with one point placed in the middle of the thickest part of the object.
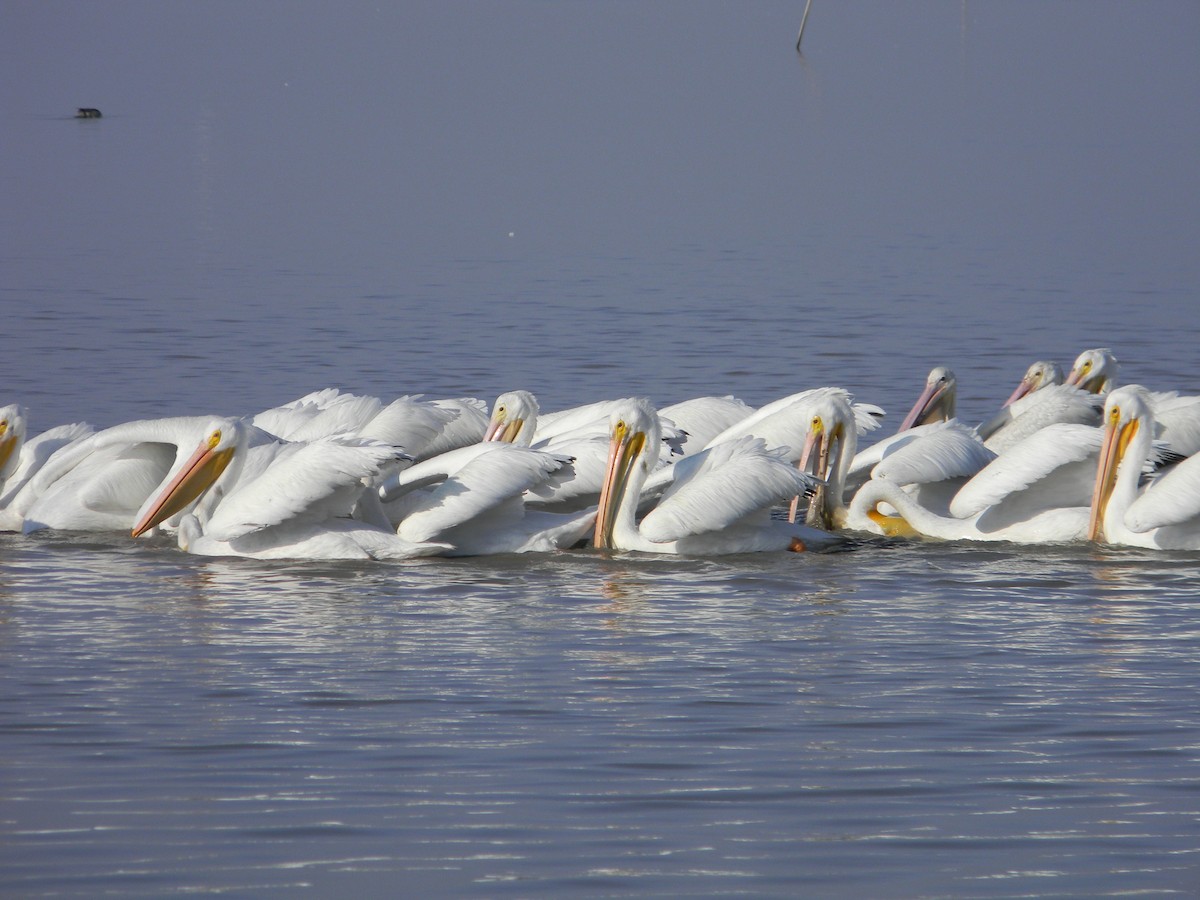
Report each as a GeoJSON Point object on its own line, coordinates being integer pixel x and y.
{"type": "Point", "coordinates": [803, 19]}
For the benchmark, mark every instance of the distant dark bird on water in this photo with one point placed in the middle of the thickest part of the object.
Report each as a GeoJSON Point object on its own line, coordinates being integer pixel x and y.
{"type": "Point", "coordinates": [87, 112]}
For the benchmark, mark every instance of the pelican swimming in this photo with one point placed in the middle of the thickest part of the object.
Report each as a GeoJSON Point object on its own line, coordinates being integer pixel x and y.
{"type": "Point", "coordinates": [477, 503]}
{"type": "Point", "coordinates": [580, 433]}
{"type": "Point", "coordinates": [931, 462]}
{"type": "Point", "coordinates": [591, 420]}
{"type": "Point", "coordinates": [688, 425]}
{"type": "Point", "coordinates": [1036, 492]}
{"type": "Point", "coordinates": [99, 482]}
{"type": "Point", "coordinates": [22, 457]}
{"type": "Point", "coordinates": [1176, 416]}
{"type": "Point", "coordinates": [936, 402]}
{"type": "Point", "coordinates": [514, 419]}
{"type": "Point", "coordinates": [1040, 374]}
{"type": "Point", "coordinates": [717, 501]}
{"type": "Point", "coordinates": [1056, 404]}
{"type": "Point", "coordinates": [1166, 513]}
{"type": "Point", "coordinates": [12, 437]}
{"type": "Point", "coordinates": [240, 495]}
{"type": "Point", "coordinates": [817, 430]}
{"type": "Point", "coordinates": [931, 454]}
{"type": "Point", "coordinates": [1094, 371]}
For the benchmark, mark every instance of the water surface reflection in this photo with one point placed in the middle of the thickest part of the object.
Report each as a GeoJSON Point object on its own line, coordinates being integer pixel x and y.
{"type": "Point", "coordinates": [624, 724]}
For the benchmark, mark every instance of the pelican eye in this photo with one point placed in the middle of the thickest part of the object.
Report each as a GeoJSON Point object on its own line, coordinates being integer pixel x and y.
{"type": "Point", "coordinates": [501, 410]}
{"type": "Point", "coordinates": [214, 438]}
{"type": "Point", "coordinates": [1115, 415]}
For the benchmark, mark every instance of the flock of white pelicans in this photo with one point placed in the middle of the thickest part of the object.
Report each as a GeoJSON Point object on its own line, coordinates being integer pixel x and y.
{"type": "Point", "coordinates": [340, 476]}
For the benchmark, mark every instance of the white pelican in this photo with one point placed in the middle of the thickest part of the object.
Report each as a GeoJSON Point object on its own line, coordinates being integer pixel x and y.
{"type": "Point", "coordinates": [21, 458]}
{"type": "Point", "coordinates": [1040, 374]}
{"type": "Point", "coordinates": [98, 483]}
{"type": "Point", "coordinates": [1176, 417]}
{"type": "Point", "coordinates": [818, 430]}
{"type": "Point", "coordinates": [936, 402]}
{"type": "Point", "coordinates": [1036, 492]}
{"type": "Point", "coordinates": [478, 505]}
{"type": "Point", "coordinates": [1058, 404]}
{"type": "Point", "coordinates": [577, 434]}
{"type": "Point", "coordinates": [591, 420]}
{"type": "Point", "coordinates": [931, 454]}
{"type": "Point", "coordinates": [275, 499]}
{"type": "Point", "coordinates": [421, 428]}
{"type": "Point", "coordinates": [932, 462]}
{"type": "Point", "coordinates": [911, 518]}
{"type": "Point", "coordinates": [514, 419]}
{"type": "Point", "coordinates": [718, 501]}
{"type": "Point", "coordinates": [1178, 420]}
{"type": "Point", "coordinates": [786, 423]}
{"type": "Point", "coordinates": [1166, 514]}
{"type": "Point", "coordinates": [12, 437]}
{"type": "Point", "coordinates": [467, 428]}
{"type": "Point", "coordinates": [1094, 371]}
{"type": "Point", "coordinates": [580, 433]}
{"type": "Point", "coordinates": [517, 419]}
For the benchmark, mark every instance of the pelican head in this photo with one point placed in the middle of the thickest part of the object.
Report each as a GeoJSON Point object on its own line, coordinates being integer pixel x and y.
{"type": "Point", "coordinates": [634, 436]}
{"type": "Point", "coordinates": [936, 403]}
{"type": "Point", "coordinates": [829, 447]}
{"type": "Point", "coordinates": [1124, 412]}
{"type": "Point", "coordinates": [1094, 371]}
{"type": "Point", "coordinates": [12, 436]}
{"type": "Point", "coordinates": [514, 418]}
{"type": "Point", "coordinates": [1040, 374]}
{"type": "Point", "coordinates": [196, 474]}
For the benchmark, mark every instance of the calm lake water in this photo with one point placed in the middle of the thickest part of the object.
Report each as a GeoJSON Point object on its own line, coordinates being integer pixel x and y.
{"type": "Point", "coordinates": [592, 201]}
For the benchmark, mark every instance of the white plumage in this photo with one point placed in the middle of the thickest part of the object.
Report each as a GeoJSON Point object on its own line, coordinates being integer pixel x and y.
{"type": "Point", "coordinates": [22, 457]}
{"type": "Point", "coordinates": [476, 503]}
{"type": "Point", "coordinates": [715, 502]}
{"type": "Point", "coordinates": [240, 495]}
{"type": "Point", "coordinates": [1165, 514]}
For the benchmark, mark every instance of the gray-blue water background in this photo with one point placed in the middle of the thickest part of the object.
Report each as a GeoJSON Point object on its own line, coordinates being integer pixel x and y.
{"type": "Point", "coordinates": [590, 201]}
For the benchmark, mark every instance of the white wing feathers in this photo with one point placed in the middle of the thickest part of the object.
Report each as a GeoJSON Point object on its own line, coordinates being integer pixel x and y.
{"type": "Point", "coordinates": [785, 422]}
{"type": "Point", "coordinates": [412, 425]}
{"type": "Point", "coordinates": [304, 482]}
{"type": "Point", "coordinates": [713, 489]}
{"type": "Point", "coordinates": [866, 459]}
{"type": "Point", "coordinates": [422, 428]}
{"type": "Point", "coordinates": [1058, 404]}
{"type": "Point", "coordinates": [867, 416]}
{"type": "Point", "coordinates": [949, 451]}
{"type": "Point", "coordinates": [495, 474]}
{"type": "Point", "coordinates": [431, 471]}
{"type": "Point", "coordinates": [467, 427]}
{"type": "Point", "coordinates": [700, 419]}
{"type": "Point", "coordinates": [36, 451]}
{"type": "Point", "coordinates": [1179, 424]}
{"type": "Point", "coordinates": [592, 421]}
{"type": "Point", "coordinates": [1033, 459]}
{"type": "Point", "coordinates": [1171, 499]}
{"type": "Point", "coordinates": [285, 420]}
{"type": "Point", "coordinates": [346, 414]}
